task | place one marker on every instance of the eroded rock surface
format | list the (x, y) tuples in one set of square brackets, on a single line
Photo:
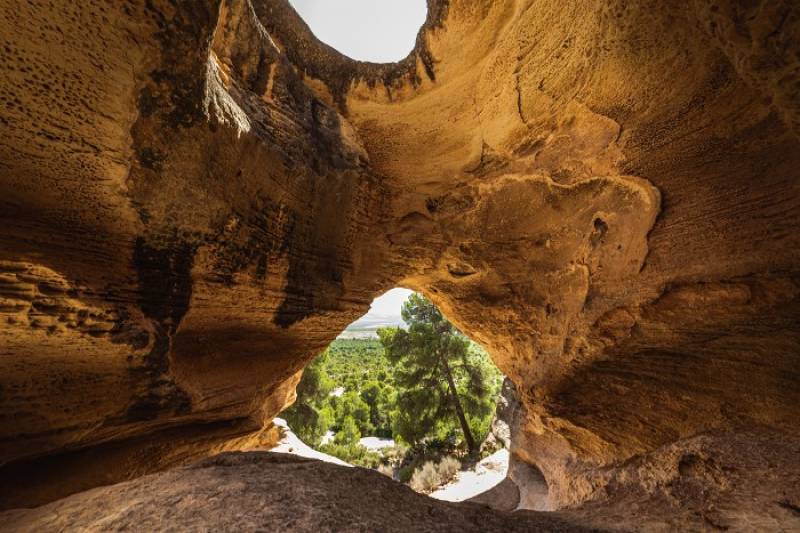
[(197, 196), (260, 491)]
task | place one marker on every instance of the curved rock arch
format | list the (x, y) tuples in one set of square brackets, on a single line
[(605, 197)]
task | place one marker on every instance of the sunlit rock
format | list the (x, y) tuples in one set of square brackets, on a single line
[(197, 196)]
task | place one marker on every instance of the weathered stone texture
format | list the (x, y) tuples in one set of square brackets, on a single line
[(197, 196), (271, 492)]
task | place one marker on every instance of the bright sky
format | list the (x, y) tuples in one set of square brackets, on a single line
[(384, 311), (380, 31), (390, 302)]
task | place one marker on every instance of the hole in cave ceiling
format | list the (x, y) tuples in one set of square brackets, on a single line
[(378, 31)]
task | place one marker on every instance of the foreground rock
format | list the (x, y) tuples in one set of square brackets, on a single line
[(260, 491), (748, 481)]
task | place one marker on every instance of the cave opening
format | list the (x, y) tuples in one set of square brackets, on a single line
[(376, 31), (404, 392)]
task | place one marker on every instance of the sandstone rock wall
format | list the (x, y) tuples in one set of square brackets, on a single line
[(199, 196), (184, 226)]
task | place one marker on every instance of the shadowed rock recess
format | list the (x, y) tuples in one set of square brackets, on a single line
[(197, 196)]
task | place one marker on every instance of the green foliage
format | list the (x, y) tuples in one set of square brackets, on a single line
[(348, 433), (355, 454), (380, 397), (395, 388), (439, 378), (353, 362), (309, 417), (351, 406), (405, 473), (316, 384)]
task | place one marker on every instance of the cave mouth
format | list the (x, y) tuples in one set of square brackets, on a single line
[(404, 392), (375, 31)]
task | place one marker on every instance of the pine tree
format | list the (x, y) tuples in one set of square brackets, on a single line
[(349, 433), (435, 375), (310, 417)]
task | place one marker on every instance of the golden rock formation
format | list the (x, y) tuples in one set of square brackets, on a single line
[(197, 196)]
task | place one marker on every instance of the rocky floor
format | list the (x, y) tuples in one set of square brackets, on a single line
[(714, 482), (261, 491)]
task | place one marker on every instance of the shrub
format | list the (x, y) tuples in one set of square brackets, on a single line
[(349, 433), (405, 473), (355, 454), (350, 405), (394, 455), (432, 475), (386, 470), (426, 479), (308, 423), (448, 468)]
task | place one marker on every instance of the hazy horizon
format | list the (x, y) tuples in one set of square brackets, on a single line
[(383, 312)]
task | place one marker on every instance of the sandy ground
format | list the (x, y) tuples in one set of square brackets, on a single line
[(373, 444), (468, 483), (486, 474), (376, 444), (291, 443)]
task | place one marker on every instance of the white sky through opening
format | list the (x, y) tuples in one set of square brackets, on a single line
[(380, 31), (384, 311)]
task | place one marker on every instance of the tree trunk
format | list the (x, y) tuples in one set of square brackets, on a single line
[(457, 405)]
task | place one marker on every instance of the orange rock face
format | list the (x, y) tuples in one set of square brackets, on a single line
[(197, 196)]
